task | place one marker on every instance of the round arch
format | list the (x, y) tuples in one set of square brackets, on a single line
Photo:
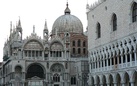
[(35, 70), (31, 40), (57, 67), (56, 41)]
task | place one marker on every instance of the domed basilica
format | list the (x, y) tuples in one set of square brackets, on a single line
[(56, 59)]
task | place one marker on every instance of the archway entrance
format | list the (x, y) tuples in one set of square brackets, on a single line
[(35, 75)]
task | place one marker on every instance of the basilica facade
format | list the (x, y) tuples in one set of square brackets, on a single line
[(56, 59), (112, 39)]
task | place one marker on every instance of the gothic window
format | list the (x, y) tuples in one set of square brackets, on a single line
[(56, 78), (134, 12), (73, 44), (74, 51), (114, 22), (73, 80), (98, 30), (79, 50), (84, 51), (84, 44), (79, 43)]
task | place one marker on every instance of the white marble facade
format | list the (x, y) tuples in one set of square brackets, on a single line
[(112, 43)]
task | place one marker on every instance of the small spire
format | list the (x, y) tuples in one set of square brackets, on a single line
[(19, 22), (67, 10), (10, 26), (33, 28), (45, 27)]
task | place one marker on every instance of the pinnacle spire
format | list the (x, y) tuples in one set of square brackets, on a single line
[(33, 28), (45, 27), (19, 22)]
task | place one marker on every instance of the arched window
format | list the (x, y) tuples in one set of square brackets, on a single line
[(84, 44), (114, 22), (73, 80), (79, 51), (74, 51), (73, 43), (56, 78), (79, 43), (98, 30), (84, 51), (134, 12)]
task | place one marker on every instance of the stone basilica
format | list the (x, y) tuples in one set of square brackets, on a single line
[(58, 59)]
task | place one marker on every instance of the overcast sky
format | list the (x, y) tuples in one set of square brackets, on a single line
[(34, 12)]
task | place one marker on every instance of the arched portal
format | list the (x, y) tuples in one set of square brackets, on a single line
[(35, 70), (35, 75), (18, 75)]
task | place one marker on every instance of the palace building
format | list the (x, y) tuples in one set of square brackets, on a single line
[(56, 59), (112, 39)]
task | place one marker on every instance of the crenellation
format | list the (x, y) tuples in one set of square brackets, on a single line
[(96, 4)]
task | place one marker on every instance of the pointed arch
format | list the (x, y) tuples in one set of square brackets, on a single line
[(114, 22), (98, 30), (117, 79), (126, 79), (134, 12), (97, 80)]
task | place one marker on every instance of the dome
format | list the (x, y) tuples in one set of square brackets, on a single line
[(67, 23)]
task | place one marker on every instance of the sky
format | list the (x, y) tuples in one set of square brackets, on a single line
[(35, 12)]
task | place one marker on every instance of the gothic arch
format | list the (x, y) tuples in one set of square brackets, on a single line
[(110, 79), (131, 10), (134, 77), (104, 80), (117, 79), (98, 30), (113, 22), (126, 78), (97, 80)]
